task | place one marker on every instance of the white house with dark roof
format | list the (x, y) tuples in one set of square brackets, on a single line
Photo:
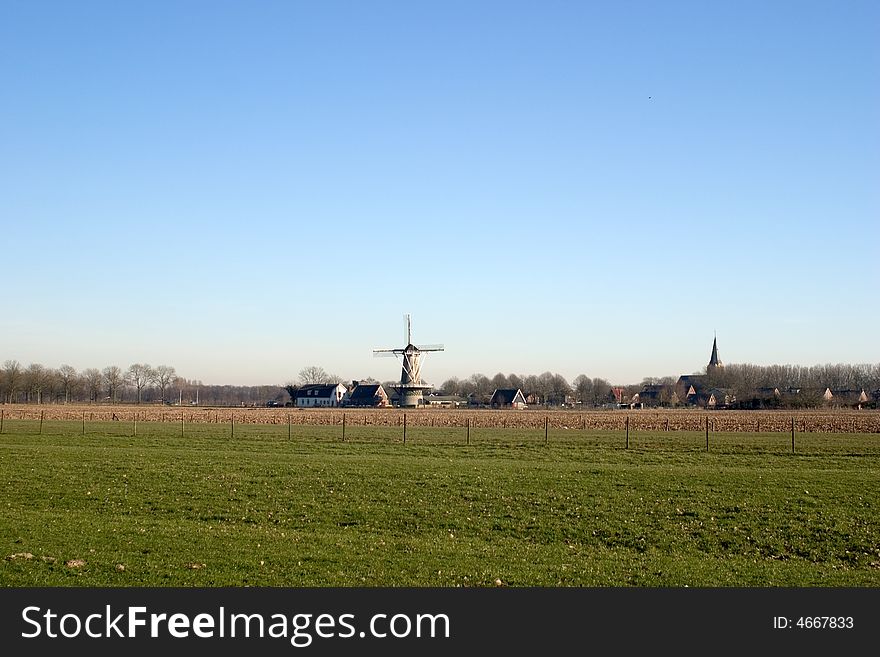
[(319, 395)]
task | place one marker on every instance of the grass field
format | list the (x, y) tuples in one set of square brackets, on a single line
[(266, 508)]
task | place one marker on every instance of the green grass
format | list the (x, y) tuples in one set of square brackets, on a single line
[(259, 509)]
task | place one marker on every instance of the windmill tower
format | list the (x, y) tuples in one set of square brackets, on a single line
[(410, 387)]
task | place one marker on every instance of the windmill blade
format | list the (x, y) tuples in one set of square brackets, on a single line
[(429, 347), (385, 353)]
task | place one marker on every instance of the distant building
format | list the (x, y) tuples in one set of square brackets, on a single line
[(691, 388), (367, 395), (507, 398), (652, 396), (715, 363), (719, 398), (445, 401), (320, 395), (848, 398), (766, 397)]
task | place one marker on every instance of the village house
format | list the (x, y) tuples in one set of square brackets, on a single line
[(320, 395), (655, 395), (507, 398), (435, 399), (367, 395), (845, 398)]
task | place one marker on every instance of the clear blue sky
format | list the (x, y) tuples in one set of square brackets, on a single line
[(241, 189)]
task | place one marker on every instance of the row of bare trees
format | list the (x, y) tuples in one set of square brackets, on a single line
[(745, 377), (139, 383), (39, 384)]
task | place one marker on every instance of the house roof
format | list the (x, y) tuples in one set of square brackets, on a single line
[(317, 390), (850, 395), (366, 391), (506, 396)]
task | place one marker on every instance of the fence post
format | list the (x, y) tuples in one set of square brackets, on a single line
[(792, 434), (627, 431), (343, 427), (2, 412), (707, 433), (545, 430), (288, 425), (232, 425), (468, 431), (41, 423), (84, 423), (404, 428), (182, 424), (135, 424)]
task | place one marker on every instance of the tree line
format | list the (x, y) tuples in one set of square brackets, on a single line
[(139, 383), (142, 383)]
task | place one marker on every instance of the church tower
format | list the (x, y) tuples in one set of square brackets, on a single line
[(714, 362)]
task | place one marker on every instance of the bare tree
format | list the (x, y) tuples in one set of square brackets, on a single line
[(559, 390), (164, 376), (500, 381), (452, 386), (481, 386), (583, 388), (93, 380), (140, 376), (312, 374), (515, 381), (11, 379), (68, 377), (112, 380), (530, 386), (601, 391), (35, 380), (545, 387)]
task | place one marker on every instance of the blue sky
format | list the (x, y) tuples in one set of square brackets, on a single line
[(241, 189)]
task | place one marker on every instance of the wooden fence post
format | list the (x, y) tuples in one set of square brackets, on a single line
[(343, 427), (707, 433), (792, 435), (545, 430), (627, 431), (404, 428), (468, 431), (41, 423)]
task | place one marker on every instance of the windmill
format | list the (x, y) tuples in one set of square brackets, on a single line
[(410, 387)]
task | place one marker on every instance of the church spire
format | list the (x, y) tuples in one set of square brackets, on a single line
[(714, 361)]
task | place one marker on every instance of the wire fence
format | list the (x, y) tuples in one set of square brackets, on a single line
[(777, 432)]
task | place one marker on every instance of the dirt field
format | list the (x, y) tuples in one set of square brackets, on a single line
[(818, 421)]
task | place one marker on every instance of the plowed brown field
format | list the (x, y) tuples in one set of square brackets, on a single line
[(818, 421)]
